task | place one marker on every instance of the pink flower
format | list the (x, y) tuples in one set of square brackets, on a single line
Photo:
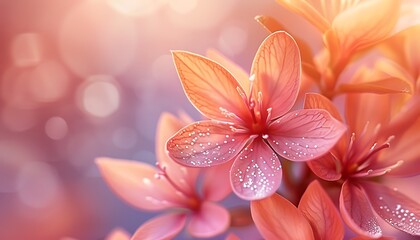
[(315, 218), (364, 163), (250, 121), (170, 187)]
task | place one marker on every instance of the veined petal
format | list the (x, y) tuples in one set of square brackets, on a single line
[(216, 182), (206, 143), (136, 183), (210, 87), (256, 172), (321, 213), (211, 220), (304, 134), (161, 228), (394, 207), (277, 218), (356, 211), (366, 23), (240, 75), (325, 167), (184, 177), (277, 70)]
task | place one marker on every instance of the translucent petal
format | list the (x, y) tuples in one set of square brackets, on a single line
[(321, 213), (277, 218), (277, 71), (304, 134), (160, 228), (256, 172), (209, 221), (206, 143), (325, 167), (394, 207)]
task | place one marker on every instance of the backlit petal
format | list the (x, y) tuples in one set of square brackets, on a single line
[(326, 167), (163, 227), (216, 182), (277, 218), (366, 23), (135, 182), (277, 73), (321, 213), (184, 177), (206, 143), (394, 207), (210, 87), (304, 134), (209, 221), (356, 211), (256, 172)]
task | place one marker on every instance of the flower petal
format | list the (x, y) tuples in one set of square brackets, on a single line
[(216, 182), (210, 87), (256, 172), (321, 213), (163, 227), (240, 75), (356, 211), (325, 167), (277, 71), (366, 23), (184, 177), (206, 143), (394, 207), (277, 218), (211, 220), (304, 134), (135, 182), (318, 101)]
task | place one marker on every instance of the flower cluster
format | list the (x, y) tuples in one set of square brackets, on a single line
[(252, 127)]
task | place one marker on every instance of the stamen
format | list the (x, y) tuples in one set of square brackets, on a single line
[(163, 174), (228, 114)]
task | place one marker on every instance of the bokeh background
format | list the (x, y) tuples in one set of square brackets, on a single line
[(80, 79)]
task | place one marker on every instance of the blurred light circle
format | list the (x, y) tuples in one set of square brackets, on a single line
[(99, 96), (37, 184), (183, 6), (232, 40), (124, 138), (204, 15), (15, 88), (26, 49), (48, 82), (136, 8), (56, 128), (94, 39), (18, 120), (163, 68)]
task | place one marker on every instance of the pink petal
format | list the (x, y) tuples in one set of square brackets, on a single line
[(206, 143), (256, 173), (277, 73), (135, 182), (277, 218), (211, 220), (394, 207), (216, 182), (232, 236), (118, 234), (304, 134), (356, 211), (325, 167), (163, 227), (321, 213), (184, 177), (210, 87)]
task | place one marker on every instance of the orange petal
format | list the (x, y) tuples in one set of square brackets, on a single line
[(277, 218), (161, 228), (135, 182), (210, 87), (321, 213), (240, 75), (318, 101), (277, 73), (326, 167), (382, 86), (184, 177), (365, 24)]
